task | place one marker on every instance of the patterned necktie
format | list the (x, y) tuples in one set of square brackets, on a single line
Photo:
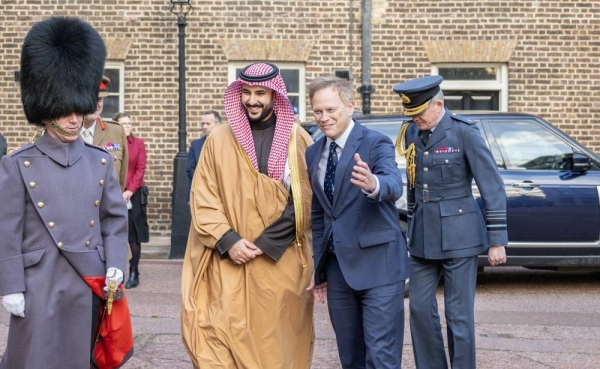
[(328, 185), (425, 136), (332, 162)]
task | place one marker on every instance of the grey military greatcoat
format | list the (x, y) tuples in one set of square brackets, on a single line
[(110, 136), (62, 217)]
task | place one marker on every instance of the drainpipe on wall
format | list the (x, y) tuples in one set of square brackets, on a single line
[(351, 36), (366, 89)]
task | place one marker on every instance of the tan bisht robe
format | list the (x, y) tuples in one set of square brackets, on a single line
[(257, 315)]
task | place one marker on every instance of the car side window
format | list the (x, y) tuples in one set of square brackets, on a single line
[(526, 145)]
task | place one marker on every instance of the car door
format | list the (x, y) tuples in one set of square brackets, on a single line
[(551, 210)]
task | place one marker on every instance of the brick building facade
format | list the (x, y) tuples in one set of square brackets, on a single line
[(545, 53)]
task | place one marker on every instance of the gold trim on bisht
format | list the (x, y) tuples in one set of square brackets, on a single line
[(408, 153), (245, 156), (297, 192)]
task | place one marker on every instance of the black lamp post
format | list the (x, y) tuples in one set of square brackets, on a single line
[(180, 216), (366, 89)]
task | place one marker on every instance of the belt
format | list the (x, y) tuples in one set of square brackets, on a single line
[(436, 196)]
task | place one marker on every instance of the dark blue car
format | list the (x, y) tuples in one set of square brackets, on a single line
[(552, 184)]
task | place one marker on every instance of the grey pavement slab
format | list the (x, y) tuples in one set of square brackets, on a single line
[(523, 320)]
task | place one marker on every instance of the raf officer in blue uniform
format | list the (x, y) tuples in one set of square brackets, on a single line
[(446, 229)]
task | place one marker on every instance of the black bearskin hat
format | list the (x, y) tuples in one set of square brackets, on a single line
[(61, 69)]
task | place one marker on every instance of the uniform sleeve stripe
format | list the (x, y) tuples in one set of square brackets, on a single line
[(496, 220)]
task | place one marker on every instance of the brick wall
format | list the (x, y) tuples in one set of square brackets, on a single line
[(553, 69)]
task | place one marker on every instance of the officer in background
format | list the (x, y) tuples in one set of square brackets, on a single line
[(446, 228), (210, 119), (107, 134), (296, 114)]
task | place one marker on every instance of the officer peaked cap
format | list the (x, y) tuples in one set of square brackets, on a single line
[(417, 93)]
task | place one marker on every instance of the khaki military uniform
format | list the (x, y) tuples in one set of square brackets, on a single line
[(111, 137)]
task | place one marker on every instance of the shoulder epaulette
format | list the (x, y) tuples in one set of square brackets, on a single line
[(108, 120), (460, 118), (25, 146)]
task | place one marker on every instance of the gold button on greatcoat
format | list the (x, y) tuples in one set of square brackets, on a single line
[(87, 244), (426, 153), (425, 169), (101, 182), (446, 161), (60, 244), (460, 210), (92, 223), (103, 161), (27, 164), (97, 202), (425, 185), (51, 224), (32, 184), (40, 204)]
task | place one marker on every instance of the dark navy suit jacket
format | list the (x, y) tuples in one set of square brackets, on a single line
[(192, 160), (369, 243)]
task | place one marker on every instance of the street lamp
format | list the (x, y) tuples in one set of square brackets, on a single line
[(180, 216)]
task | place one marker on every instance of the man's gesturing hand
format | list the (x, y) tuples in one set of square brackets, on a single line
[(362, 176)]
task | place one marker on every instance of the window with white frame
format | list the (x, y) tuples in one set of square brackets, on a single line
[(293, 75), (474, 86), (114, 102)]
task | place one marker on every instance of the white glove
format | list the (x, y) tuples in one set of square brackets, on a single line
[(15, 304), (113, 274)]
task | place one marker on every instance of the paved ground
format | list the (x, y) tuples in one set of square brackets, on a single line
[(524, 319)]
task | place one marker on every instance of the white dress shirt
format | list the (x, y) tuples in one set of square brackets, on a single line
[(340, 142)]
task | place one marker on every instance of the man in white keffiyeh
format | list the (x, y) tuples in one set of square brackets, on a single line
[(248, 261)]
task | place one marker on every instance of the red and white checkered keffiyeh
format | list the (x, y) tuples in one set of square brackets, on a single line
[(238, 120)]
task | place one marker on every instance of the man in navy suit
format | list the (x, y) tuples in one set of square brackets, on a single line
[(360, 254), (446, 229), (210, 119)]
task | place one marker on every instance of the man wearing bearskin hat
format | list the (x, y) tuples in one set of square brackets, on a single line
[(64, 222)]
